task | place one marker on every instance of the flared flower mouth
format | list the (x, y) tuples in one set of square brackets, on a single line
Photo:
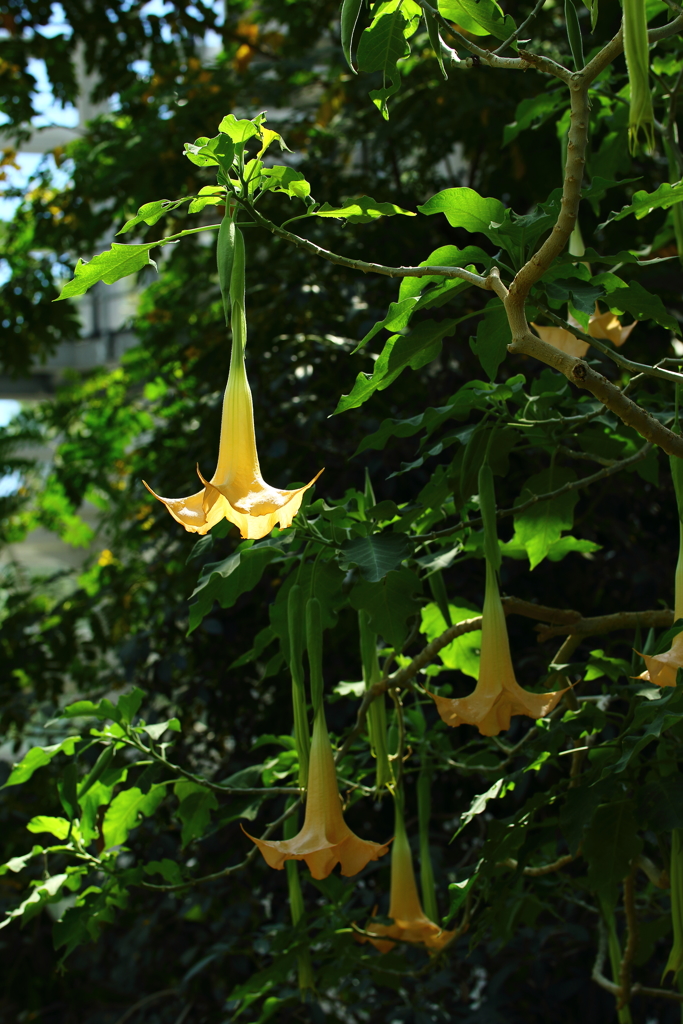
[(325, 839), (603, 326), (410, 923), (662, 669), (497, 695), (237, 491)]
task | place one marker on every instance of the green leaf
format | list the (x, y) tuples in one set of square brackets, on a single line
[(444, 256), (462, 653), (287, 180), (110, 266), (465, 208), (634, 299), (150, 213), (58, 827), (46, 891), (377, 554), (362, 210), (349, 17), (17, 864), (157, 731), (577, 810), (643, 202), (389, 603), (239, 131), (660, 802), (611, 843), (226, 581), (124, 811), (37, 757), (480, 17), (458, 892), (381, 46), (478, 805), (398, 316), (493, 337), (98, 795), (542, 524), (196, 804), (534, 111), (415, 350)]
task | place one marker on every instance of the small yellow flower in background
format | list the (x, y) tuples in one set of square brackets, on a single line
[(106, 558), (603, 326), (325, 839), (497, 695), (237, 491), (410, 921)]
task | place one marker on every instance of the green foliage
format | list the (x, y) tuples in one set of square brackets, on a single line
[(146, 730)]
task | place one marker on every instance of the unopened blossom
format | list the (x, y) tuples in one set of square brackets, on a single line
[(325, 839), (497, 695), (603, 326), (237, 491), (410, 923)]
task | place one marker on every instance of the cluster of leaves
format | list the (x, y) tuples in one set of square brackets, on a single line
[(142, 808)]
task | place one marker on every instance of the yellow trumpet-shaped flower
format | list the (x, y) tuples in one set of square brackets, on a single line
[(410, 921), (325, 839), (603, 326), (497, 695), (237, 491)]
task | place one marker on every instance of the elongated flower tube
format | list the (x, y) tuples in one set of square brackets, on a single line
[(605, 326), (411, 924), (636, 50), (325, 839), (497, 695), (237, 491), (675, 961)]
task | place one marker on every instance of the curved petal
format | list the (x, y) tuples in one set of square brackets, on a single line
[(562, 339), (662, 669), (189, 512), (264, 509)]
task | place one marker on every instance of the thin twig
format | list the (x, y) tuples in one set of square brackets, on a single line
[(626, 364), (659, 618), (542, 869), (518, 31), (573, 485), (163, 994), (631, 940), (487, 56)]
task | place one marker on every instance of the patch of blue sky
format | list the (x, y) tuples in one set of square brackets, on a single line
[(49, 111), (21, 179), (9, 408)]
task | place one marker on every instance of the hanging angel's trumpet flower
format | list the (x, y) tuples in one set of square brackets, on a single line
[(236, 491), (497, 695), (410, 921), (603, 326), (325, 839), (662, 669)]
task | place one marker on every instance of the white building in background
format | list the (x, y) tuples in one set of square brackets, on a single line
[(105, 310)]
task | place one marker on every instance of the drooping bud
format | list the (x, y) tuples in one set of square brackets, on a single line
[(636, 49)]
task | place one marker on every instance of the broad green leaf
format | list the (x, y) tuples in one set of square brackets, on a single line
[(377, 554), (634, 299), (660, 802), (444, 256), (58, 827), (227, 580), (478, 805), (643, 202), (196, 804), (480, 17), (37, 757), (465, 208), (651, 719), (239, 131), (362, 210), (463, 652), (389, 603), (542, 524), (577, 810), (611, 843), (493, 337), (381, 46), (534, 111), (45, 892), (168, 869), (559, 549), (150, 213), (349, 17), (124, 811), (109, 266), (99, 795), (17, 864), (398, 316), (286, 179), (157, 731), (415, 350)]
